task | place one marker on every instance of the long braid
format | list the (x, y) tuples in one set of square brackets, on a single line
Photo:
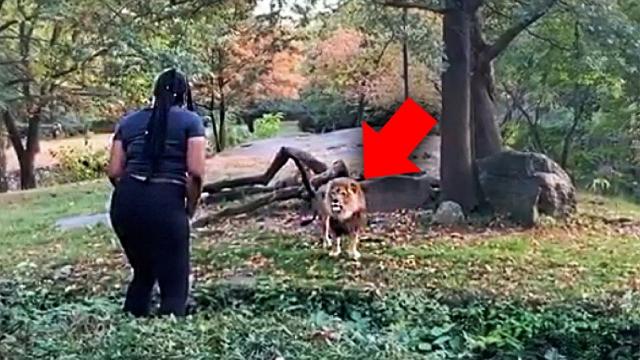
[(172, 88), (190, 105)]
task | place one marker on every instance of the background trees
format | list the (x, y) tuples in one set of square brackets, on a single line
[(565, 71), (569, 89)]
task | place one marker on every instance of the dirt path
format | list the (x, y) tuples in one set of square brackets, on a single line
[(44, 158), (254, 157)]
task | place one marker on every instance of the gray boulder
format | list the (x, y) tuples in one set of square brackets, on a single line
[(524, 184), (392, 193), (449, 213)]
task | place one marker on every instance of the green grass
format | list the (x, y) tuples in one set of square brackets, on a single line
[(571, 288), (27, 230), (608, 205)]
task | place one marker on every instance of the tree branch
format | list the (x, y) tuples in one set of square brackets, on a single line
[(14, 133), (549, 41), (517, 103), (510, 34), (18, 81), (7, 25), (429, 5), (77, 65)]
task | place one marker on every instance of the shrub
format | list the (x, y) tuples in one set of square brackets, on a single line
[(268, 125), (236, 134), (79, 164), (328, 111)]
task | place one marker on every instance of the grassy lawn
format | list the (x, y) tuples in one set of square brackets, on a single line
[(265, 290)]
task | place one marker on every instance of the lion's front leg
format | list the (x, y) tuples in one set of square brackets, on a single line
[(336, 250), (353, 247), (326, 241)]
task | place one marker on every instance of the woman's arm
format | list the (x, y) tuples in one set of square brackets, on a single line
[(196, 158), (115, 169)]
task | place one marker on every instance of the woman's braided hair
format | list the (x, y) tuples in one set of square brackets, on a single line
[(171, 88)]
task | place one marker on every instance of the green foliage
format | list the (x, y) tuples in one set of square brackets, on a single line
[(328, 111), (237, 134), (275, 319), (80, 164), (573, 86), (325, 111), (301, 305), (268, 125)]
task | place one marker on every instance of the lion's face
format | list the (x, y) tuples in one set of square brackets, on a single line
[(344, 197)]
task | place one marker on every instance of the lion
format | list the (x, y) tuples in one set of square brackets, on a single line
[(342, 208)]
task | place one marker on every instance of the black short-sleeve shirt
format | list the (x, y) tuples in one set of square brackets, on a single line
[(181, 125)]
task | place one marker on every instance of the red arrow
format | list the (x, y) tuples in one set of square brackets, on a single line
[(387, 152)]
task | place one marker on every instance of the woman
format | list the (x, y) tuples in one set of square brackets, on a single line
[(157, 162)]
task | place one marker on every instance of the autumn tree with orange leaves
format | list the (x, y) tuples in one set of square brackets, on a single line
[(241, 60)]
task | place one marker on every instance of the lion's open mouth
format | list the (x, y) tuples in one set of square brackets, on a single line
[(336, 207)]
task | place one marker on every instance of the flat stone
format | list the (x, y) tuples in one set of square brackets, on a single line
[(80, 221)]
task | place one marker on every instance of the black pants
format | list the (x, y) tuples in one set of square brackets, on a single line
[(151, 222)]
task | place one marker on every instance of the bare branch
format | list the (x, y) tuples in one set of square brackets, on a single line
[(9, 62), (517, 100), (548, 40), (7, 25), (18, 81), (77, 65), (510, 34), (412, 4)]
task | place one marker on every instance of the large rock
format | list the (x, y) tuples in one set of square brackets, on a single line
[(522, 184), (449, 213), (387, 194)]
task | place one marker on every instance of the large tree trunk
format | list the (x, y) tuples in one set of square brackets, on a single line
[(487, 140), (27, 162), (222, 111), (456, 156), (4, 181), (361, 106), (214, 126), (405, 55), (27, 171), (26, 155), (223, 127)]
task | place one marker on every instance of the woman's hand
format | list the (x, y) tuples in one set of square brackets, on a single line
[(194, 190), (115, 168), (196, 158)]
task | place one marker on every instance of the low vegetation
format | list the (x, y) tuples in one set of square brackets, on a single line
[(264, 289), (80, 163)]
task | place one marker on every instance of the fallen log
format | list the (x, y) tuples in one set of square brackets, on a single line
[(278, 195), (242, 192), (284, 154), (236, 189), (382, 194)]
